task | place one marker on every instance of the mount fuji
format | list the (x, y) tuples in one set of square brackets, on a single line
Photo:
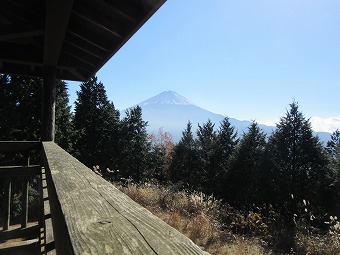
[(172, 111)]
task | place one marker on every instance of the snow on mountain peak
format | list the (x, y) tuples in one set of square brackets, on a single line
[(167, 97)]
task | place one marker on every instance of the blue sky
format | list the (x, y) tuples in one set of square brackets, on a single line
[(246, 59)]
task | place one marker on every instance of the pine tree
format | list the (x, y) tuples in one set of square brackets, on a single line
[(242, 180), (97, 125)]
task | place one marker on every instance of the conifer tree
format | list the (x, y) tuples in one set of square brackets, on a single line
[(135, 145), (97, 125), (242, 180), (186, 160), (20, 108), (64, 129), (298, 161), (226, 141), (333, 149), (206, 146)]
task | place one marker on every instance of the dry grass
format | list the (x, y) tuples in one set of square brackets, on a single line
[(218, 228)]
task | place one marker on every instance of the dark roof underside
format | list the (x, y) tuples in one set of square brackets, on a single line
[(76, 36)]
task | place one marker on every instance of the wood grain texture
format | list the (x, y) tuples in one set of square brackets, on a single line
[(100, 219)]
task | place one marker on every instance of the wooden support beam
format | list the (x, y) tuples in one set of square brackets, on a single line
[(93, 42), (79, 47), (20, 35), (105, 27), (48, 106), (57, 18)]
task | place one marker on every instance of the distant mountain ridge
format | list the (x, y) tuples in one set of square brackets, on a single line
[(172, 111)]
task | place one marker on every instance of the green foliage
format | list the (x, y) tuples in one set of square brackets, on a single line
[(186, 160), (97, 125), (333, 149), (135, 146), (206, 145), (242, 181), (64, 129), (20, 108), (299, 164)]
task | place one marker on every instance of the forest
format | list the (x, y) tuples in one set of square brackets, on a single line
[(288, 177)]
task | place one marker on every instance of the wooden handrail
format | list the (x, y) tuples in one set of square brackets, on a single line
[(19, 171), (7, 173), (91, 216), (19, 146)]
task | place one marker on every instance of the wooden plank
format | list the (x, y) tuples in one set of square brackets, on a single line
[(98, 218), (12, 171), (57, 19), (20, 35), (19, 146)]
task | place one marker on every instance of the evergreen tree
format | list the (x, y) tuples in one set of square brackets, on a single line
[(206, 145), (333, 149), (226, 141), (64, 129), (135, 145), (242, 181), (186, 160), (298, 161), (97, 125), (20, 108)]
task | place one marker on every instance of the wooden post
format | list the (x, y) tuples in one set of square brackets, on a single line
[(48, 106), (24, 201), (7, 204)]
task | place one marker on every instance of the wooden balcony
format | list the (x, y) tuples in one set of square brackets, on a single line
[(79, 212)]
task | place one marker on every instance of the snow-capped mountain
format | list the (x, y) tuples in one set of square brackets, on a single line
[(172, 111), (166, 97)]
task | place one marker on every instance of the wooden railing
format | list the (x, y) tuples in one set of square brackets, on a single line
[(20, 173), (84, 214)]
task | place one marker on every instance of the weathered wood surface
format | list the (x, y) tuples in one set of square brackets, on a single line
[(91, 216), (19, 146)]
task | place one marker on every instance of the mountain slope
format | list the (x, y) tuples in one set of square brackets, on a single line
[(172, 111)]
